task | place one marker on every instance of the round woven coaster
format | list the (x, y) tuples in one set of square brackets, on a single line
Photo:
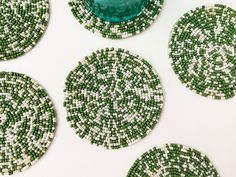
[(22, 23), (113, 98), (27, 122), (117, 30), (172, 160), (203, 51)]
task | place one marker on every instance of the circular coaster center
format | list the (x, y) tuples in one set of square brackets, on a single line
[(218, 55), (116, 10)]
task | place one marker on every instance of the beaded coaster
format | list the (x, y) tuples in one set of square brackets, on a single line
[(203, 51), (116, 30), (22, 23), (27, 122), (173, 160), (113, 98)]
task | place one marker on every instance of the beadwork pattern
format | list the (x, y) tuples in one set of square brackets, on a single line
[(116, 30), (27, 122), (113, 98), (22, 23), (173, 160), (202, 49)]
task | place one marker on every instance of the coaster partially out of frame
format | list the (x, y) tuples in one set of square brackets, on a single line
[(113, 98), (173, 160), (203, 51), (116, 30), (22, 23), (27, 122)]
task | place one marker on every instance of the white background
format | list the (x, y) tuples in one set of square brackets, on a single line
[(205, 124)]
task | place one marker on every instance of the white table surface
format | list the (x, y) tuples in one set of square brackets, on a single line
[(205, 124)]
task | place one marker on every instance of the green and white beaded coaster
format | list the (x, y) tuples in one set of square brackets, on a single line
[(113, 98), (27, 122), (22, 23), (115, 28), (173, 160), (203, 51)]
